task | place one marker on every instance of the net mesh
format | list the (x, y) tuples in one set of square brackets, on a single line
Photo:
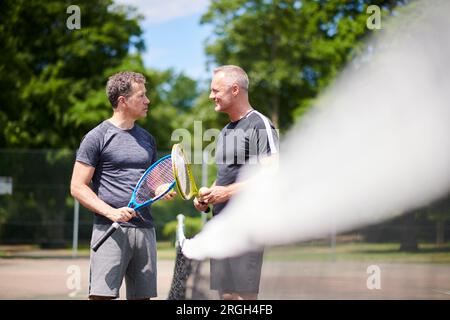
[(156, 182), (181, 273), (190, 279)]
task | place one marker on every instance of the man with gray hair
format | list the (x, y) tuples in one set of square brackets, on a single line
[(113, 156), (249, 135)]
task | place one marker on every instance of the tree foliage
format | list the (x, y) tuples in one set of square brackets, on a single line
[(291, 49), (51, 77), (52, 82)]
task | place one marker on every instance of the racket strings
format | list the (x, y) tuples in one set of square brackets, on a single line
[(184, 183), (157, 182)]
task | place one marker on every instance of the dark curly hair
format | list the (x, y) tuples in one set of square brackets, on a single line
[(120, 83)]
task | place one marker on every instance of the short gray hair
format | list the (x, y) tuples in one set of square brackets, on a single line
[(120, 83), (234, 74)]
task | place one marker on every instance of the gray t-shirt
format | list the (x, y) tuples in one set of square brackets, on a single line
[(243, 142), (120, 157)]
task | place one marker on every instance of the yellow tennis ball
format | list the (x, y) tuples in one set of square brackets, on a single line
[(202, 190)]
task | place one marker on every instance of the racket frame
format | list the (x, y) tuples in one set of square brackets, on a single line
[(194, 189), (133, 204), (136, 206), (190, 176)]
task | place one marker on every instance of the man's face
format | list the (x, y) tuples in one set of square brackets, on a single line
[(221, 93), (137, 102)]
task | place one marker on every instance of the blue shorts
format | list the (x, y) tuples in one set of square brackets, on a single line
[(130, 253)]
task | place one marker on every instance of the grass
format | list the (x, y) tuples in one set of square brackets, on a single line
[(354, 251), (350, 251), (165, 250), (359, 251)]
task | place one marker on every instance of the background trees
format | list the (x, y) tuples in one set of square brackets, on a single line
[(51, 76), (52, 79), (291, 49)]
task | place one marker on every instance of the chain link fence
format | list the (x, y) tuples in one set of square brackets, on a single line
[(40, 209)]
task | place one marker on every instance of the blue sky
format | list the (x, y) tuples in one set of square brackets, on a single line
[(173, 35), (178, 43)]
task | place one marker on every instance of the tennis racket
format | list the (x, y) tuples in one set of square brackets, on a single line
[(186, 186), (153, 185)]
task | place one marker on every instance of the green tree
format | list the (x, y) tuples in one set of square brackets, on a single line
[(439, 212), (52, 82), (291, 49), (51, 77), (172, 98)]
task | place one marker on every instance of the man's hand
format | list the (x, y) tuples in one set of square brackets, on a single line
[(200, 206), (213, 195), (162, 188), (170, 195), (121, 215)]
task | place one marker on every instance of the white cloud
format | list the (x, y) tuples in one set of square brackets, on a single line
[(157, 11)]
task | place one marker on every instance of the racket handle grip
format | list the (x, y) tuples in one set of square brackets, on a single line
[(105, 236), (207, 209)]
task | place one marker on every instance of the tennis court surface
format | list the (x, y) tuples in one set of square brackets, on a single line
[(55, 275)]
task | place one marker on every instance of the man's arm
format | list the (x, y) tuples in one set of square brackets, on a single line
[(80, 190)]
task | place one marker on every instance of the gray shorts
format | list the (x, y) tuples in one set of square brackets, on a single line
[(240, 274), (130, 253)]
